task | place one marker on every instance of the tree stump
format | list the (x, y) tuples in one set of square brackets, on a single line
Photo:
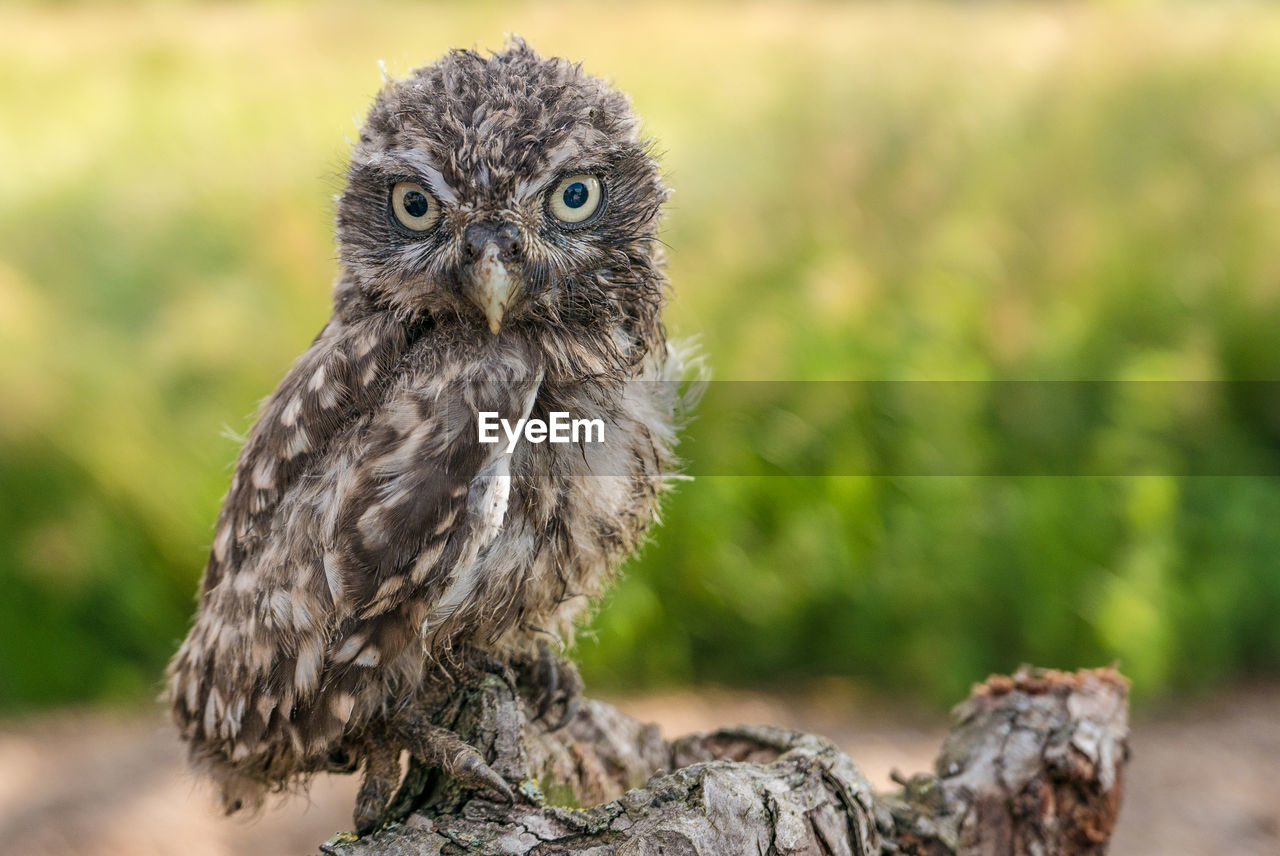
[(1032, 765)]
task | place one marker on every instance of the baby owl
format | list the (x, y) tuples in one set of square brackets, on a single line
[(498, 255)]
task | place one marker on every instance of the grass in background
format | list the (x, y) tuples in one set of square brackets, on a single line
[(905, 192)]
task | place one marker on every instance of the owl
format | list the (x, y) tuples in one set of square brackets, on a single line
[(498, 265)]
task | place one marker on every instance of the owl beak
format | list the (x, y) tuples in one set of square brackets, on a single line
[(490, 286)]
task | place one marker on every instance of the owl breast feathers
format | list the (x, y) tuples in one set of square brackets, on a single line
[(498, 254)]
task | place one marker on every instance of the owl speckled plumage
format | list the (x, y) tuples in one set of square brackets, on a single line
[(498, 252)]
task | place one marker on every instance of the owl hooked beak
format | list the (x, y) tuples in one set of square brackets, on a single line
[(490, 286), (489, 282)]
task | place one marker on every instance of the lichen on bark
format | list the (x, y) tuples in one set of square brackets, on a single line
[(1032, 765)]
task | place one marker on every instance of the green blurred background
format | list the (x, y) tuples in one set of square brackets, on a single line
[(905, 191)]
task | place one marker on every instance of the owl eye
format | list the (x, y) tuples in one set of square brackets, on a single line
[(416, 209), (575, 198)]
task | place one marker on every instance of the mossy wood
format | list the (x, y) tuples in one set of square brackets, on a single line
[(1032, 765)]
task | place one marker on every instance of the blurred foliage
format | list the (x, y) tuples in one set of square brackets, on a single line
[(902, 192)]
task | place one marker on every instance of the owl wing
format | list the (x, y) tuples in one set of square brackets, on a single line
[(342, 374), (414, 498), (253, 648)]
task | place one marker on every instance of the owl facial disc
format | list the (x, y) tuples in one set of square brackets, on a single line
[(490, 286)]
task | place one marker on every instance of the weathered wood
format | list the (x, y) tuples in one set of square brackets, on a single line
[(1032, 766)]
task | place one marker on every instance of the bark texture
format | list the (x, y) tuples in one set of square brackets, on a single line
[(1032, 765)]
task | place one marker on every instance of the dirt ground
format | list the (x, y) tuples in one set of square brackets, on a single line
[(1203, 780)]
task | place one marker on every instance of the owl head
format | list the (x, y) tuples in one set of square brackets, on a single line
[(503, 193)]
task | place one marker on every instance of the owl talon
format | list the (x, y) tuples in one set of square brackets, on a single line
[(485, 662), (381, 775), (473, 771), (440, 748), (568, 713), (368, 818), (552, 682)]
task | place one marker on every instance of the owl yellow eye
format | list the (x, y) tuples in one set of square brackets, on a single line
[(575, 198), (414, 207)]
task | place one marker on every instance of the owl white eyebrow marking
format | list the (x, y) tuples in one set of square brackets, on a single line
[(556, 158), (422, 165)]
